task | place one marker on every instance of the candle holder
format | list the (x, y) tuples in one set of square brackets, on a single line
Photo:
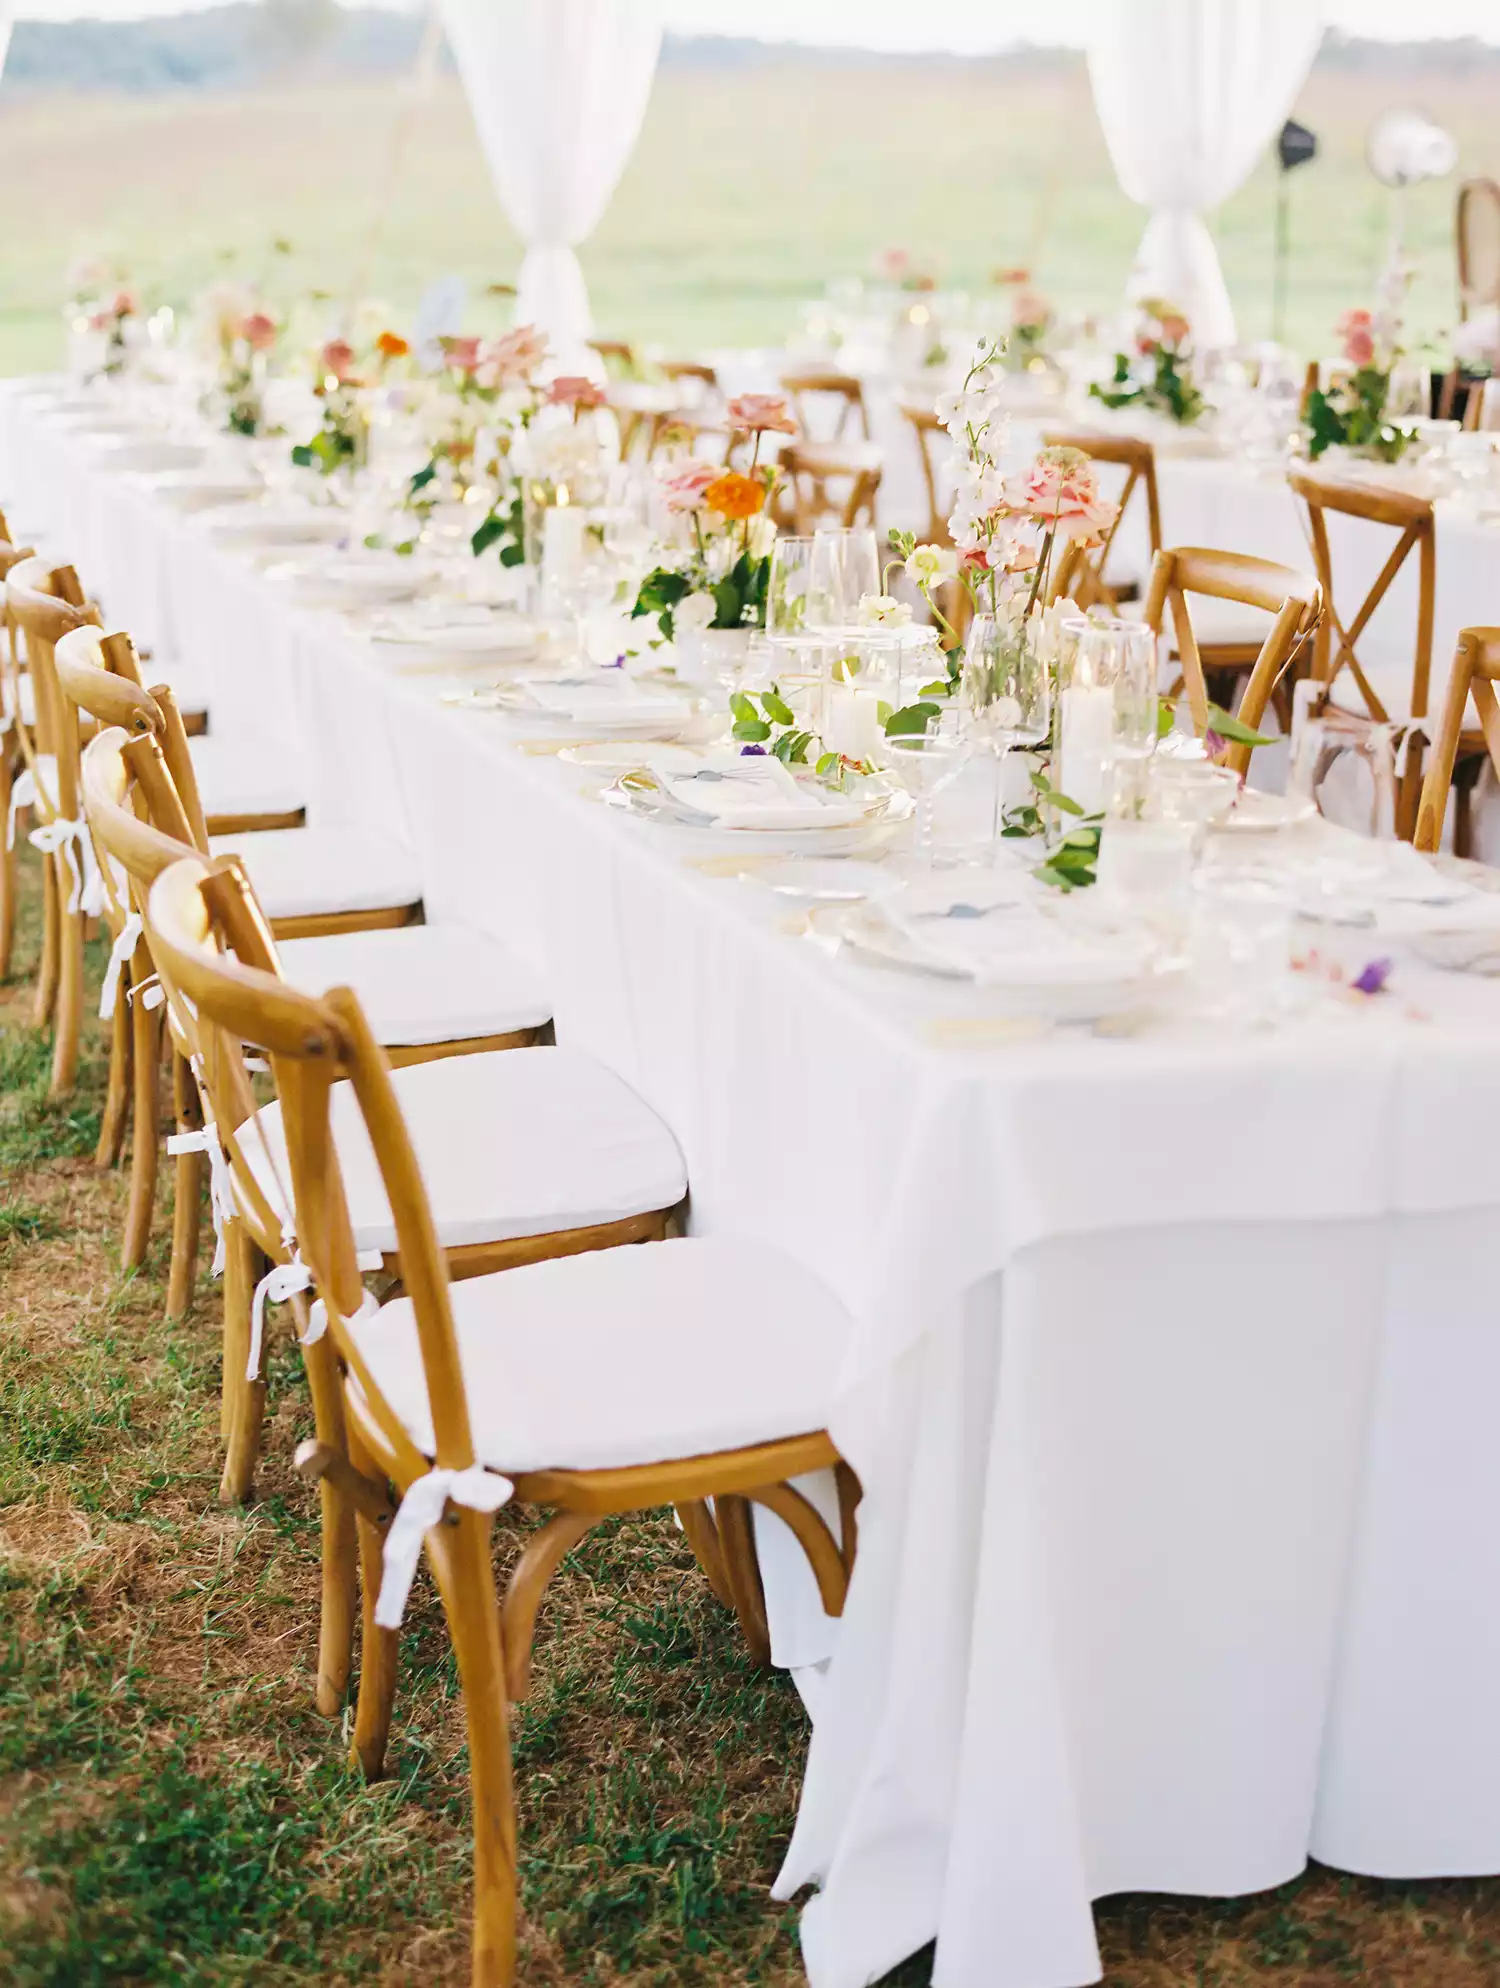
[(1106, 711)]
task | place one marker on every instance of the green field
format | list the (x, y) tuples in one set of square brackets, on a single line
[(750, 188)]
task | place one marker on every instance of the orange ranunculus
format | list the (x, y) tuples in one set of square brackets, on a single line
[(391, 345), (735, 496)]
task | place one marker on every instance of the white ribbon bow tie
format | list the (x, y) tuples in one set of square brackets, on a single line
[(284, 1280), (220, 1185), (477, 1489), (72, 838), (119, 953)]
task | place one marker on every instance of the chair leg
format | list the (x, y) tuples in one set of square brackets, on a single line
[(246, 1398), (379, 1649), (1465, 780), (46, 977), (68, 1013), (8, 867), (538, 1562), (741, 1567), (703, 1536), (145, 1109), (117, 1101), (187, 1218), (460, 1554), (339, 1539)]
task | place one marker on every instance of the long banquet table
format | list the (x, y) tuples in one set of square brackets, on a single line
[(1175, 1360)]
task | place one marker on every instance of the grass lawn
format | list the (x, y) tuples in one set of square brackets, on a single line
[(173, 1812), (748, 191)]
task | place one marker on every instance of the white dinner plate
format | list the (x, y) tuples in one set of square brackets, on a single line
[(152, 454), (1255, 813), (500, 635), (275, 525), (203, 489), (620, 756), (640, 794), (350, 579), (653, 714)]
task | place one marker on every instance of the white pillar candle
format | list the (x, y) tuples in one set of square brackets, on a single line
[(1087, 737), (563, 529), (852, 722)]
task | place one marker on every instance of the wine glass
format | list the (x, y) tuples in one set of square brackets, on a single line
[(1006, 689), (925, 763), (845, 566)]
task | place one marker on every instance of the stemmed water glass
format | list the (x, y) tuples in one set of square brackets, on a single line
[(1006, 691), (844, 568), (924, 764)]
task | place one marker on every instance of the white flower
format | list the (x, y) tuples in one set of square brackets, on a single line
[(883, 611), (932, 565), (762, 535), (963, 526), (692, 614)]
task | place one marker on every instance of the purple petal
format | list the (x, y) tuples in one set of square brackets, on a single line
[(752, 752), (617, 664), (1213, 745), (1373, 978)]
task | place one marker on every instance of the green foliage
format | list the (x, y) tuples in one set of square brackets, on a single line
[(506, 527), (660, 592), (912, 718), (1352, 414), (1169, 390), (329, 448), (756, 727)]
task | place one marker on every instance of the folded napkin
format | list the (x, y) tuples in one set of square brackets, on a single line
[(608, 695), (1006, 936), (1464, 937), (759, 792)]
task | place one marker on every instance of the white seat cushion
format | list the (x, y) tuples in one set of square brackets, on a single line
[(310, 872), (511, 1142), (1391, 679), (422, 983), (1214, 621), (234, 779), (632, 1355)]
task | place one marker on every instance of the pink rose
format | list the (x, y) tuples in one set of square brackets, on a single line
[(760, 414), (514, 357), (1008, 278), (1356, 328), (336, 360), (1030, 310), (683, 484), (462, 354), (1173, 327), (893, 264), (1059, 493), (126, 304), (573, 390), (258, 331)]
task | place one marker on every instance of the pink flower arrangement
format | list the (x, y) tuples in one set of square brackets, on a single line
[(683, 484), (336, 362), (462, 354), (573, 390), (1059, 494), (258, 331), (126, 304), (513, 358), (760, 414), (1357, 330)]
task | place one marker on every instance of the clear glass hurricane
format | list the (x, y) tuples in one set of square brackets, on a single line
[(924, 764)]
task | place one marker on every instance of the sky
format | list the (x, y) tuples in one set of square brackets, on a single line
[(972, 26)]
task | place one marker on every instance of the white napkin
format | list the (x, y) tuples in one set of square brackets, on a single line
[(760, 792), (1000, 932), (605, 694)]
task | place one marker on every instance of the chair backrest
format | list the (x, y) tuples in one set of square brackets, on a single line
[(690, 369), (203, 925), (1478, 227), (850, 415), (1337, 645), (44, 603), (1138, 460), (101, 674), (1482, 408), (831, 482), (1295, 599), (928, 429), (1476, 670), (615, 351)]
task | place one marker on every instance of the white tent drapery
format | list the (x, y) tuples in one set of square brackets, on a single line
[(558, 89), (1189, 93)]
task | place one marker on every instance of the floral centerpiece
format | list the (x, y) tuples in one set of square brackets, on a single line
[(716, 566), (104, 302), (1031, 321), (243, 337), (343, 437), (1158, 375), (1351, 411)]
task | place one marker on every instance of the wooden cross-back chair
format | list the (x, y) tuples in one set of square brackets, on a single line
[(1293, 599), (931, 439), (1482, 408), (1476, 671), (829, 483), (1477, 225), (44, 603), (530, 1383), (843, 390), (493, 1210), (17, 710), (1138, 460), (1345, 681), (690, 369)]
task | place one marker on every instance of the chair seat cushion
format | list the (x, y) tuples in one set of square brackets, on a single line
[(1214, 621), (1390, 677), (511, 1142), (422, 983), (313, 872), (237, 780), (638, 1354)]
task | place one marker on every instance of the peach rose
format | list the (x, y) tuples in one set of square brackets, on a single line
[(1007, 279), (1173, 327), (760, 414), (1059, 493), (336, 361), (462, 354), (573, 390), (514, 357), (258, 331), (1030, 310), (684, 483), (1356, 328)]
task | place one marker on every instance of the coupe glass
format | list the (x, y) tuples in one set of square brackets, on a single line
[(924, 764)]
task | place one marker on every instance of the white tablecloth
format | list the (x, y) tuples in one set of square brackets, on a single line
[(1175, 1355)]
